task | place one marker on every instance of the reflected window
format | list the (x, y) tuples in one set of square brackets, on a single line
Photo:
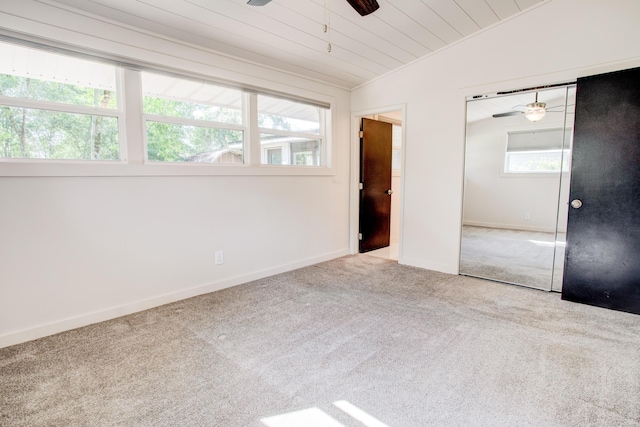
[(539, 151)]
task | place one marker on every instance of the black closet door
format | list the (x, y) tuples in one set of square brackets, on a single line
[(602, 264)]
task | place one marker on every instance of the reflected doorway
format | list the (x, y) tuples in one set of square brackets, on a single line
[(516, 186)]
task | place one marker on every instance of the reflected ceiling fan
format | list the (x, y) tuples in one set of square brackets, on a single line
[(363, 7), (533, 112)]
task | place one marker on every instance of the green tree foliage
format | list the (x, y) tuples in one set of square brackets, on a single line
[(273, 121), (167, 142), (48, 134), (179, 143), (39, 133), (538, 162)]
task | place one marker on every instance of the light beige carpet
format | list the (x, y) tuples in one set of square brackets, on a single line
[(352, 342), (513, 256)]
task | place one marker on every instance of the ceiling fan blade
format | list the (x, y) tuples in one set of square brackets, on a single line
[(364, 7), (510, 113), (559, 106), (257, 2)]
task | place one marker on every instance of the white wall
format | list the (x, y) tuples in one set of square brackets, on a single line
[(396, 197), (76, 250), (573, 38)]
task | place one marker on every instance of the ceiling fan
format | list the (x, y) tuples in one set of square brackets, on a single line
[(534, 111), (363, 7)]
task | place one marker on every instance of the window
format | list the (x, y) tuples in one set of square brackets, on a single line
[(540, 151), (191, 121), (61, 105), (274, 156), (57, 107), (292, 129)]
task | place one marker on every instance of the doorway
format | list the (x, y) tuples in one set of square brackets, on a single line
[(361, 222)]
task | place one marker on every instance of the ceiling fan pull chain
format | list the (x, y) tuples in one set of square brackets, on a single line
[(327, 23)]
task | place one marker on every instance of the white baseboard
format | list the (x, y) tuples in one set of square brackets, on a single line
[(428, 265), (134, 307), (509, 226)]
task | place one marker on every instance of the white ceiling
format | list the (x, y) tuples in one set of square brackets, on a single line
[(288, 34)]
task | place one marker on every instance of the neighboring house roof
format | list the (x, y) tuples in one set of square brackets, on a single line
[(214, 156)]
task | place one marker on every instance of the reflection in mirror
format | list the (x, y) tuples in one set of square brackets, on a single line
[(516, 187), (563, 199)]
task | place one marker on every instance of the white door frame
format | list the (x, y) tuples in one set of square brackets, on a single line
[(354, 193)]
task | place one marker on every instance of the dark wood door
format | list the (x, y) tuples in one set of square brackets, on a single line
[(602, 264), (375, 180)]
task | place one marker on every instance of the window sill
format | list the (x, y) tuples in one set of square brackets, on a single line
[(553, 175), (104, 169)]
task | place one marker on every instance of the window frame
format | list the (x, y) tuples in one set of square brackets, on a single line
[(132, 132), (60, 107), (564, 153), (565, 156), (324, 161), (183, 121)]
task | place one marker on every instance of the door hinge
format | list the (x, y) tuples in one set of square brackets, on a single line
[(361, 134), (361, 186), (359, 236)]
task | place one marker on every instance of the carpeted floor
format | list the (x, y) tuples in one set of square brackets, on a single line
[(354, 341), (513, 256)]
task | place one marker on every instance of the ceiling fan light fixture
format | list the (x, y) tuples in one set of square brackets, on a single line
[(535, 111)]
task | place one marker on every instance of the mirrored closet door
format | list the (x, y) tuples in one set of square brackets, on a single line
[(516, 186)]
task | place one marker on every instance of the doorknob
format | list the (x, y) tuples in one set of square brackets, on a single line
[(389, 192), (576, 203)]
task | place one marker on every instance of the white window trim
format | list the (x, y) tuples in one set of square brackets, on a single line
[(132, 134), (528, 174), (59, 107), (533, 174), (325, 153)]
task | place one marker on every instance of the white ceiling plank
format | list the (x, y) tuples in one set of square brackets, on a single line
[(454, 15), (423, 15), (282, 14), (248, 36), (504, 8), (412, 29), (169, 19), (373, 30), (479, 11), (526, 4), (287, 34), (343, 28), (171, 24), (393, 57)]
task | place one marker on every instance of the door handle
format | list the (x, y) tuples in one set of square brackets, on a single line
[(389, 192), (576, 203)]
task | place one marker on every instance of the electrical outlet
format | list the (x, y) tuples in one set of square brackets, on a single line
[(219, 257), (527, 216)]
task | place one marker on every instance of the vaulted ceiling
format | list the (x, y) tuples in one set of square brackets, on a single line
[(289, 34)]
